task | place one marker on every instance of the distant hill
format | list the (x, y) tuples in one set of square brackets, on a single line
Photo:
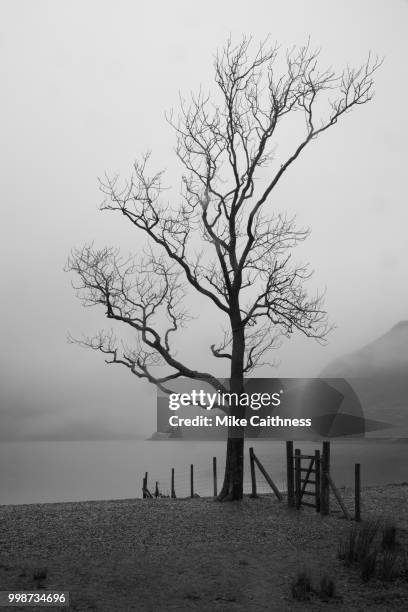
[(378, 373)]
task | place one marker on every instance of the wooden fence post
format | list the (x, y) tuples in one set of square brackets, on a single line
[(357, 492), (325, 485), (173, 491), (253, 475), (298, 476), (317, 480), (215, 475), (289, 474), (146, 492), (145, 486), (191, 480)]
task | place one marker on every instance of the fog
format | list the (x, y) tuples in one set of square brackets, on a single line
[(85, 86)]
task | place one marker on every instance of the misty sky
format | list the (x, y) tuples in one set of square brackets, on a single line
[(84, 88)]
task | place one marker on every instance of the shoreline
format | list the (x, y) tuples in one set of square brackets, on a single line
[(127, 500)]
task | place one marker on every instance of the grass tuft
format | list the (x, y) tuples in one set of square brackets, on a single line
[(327, 588), (368, 566), (358, 543), (302, 586), (389, 536), (390, 565), (39, 576)]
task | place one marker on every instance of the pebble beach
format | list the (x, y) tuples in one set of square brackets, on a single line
[(192, 554)]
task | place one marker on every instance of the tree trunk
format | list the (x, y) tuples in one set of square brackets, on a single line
[(233, 485), (232, 488)]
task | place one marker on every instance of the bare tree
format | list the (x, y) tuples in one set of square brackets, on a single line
[(244, 267)]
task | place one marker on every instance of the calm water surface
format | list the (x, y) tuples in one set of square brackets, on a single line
[(32, 472)]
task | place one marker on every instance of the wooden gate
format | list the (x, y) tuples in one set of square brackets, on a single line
[(307, 480), (309, 477), (307, 484)]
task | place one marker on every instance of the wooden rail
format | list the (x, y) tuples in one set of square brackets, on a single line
[(254, 460), (338, 497)]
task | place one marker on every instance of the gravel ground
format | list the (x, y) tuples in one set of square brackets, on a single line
[(193, 554)]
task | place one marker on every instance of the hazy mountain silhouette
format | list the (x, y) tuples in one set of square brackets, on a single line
[(378, 373)]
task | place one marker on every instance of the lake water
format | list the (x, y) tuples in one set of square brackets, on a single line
[(32, 472)]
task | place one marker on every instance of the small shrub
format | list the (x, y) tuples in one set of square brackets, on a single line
[(39, 576), (389, 536), (368, 566), (327, 588), (302, 586)]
